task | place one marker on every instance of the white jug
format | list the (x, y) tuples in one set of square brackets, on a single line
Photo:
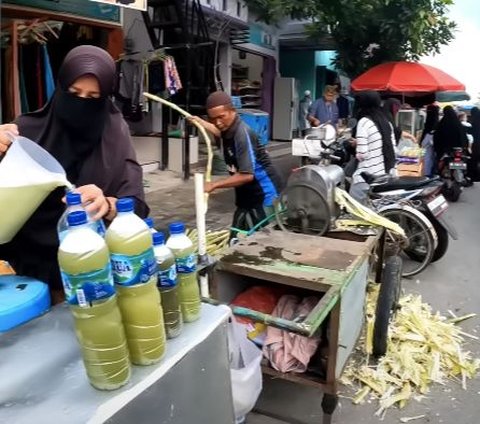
[(28, 174)]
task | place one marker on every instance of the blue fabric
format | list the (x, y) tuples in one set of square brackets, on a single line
[(49, 81), (324, 112), (261, 175)]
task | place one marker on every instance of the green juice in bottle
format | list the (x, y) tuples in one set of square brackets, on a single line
[(135, 274), (186, 262), (87, 278), (167, 284)]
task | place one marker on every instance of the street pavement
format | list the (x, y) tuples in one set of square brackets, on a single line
[(450, 284)]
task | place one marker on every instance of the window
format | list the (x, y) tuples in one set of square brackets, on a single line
[(224, 5), (239, 9)]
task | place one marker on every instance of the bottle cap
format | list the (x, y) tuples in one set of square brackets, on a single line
[(158, 239), (177, 228), (73, 199), (149, 222), (77, 218), (125, 205)]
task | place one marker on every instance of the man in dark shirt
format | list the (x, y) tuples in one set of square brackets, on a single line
[(252, 174)]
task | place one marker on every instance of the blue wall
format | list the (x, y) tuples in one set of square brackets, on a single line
[(299, 65)]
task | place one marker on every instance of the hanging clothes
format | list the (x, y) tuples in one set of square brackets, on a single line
[(172, 79), (156, 78), (48, 74), (130, 89)]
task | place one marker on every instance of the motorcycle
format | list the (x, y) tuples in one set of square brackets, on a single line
[(425, 195), (453, 171)]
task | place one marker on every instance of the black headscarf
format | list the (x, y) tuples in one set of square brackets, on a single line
[(475, 121), (368, 104), (450, 133), (91, 140), (431, 122)]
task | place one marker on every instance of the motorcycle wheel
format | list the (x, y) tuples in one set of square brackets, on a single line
[(452, 192), (442, 246), (387, 302)]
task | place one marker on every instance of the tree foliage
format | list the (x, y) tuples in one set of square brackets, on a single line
[(369, 32)]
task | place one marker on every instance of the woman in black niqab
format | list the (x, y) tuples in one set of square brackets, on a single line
[(85, 132), (449, 133)]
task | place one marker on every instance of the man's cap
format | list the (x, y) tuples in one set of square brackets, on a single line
[(218, 98)]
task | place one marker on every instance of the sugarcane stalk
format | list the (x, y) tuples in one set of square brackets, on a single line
[(208, 141)]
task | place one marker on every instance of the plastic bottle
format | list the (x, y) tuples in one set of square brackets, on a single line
[(167, 284), (150, 224), (135, 275), (74, 203), (89, 290), (186, 262)]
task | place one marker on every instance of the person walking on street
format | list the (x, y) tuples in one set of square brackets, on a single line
[(256, 182), (324, 110), (375, 143), (431, 122), (303, 108)]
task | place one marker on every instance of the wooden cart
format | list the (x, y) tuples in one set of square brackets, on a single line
[(334, 269)]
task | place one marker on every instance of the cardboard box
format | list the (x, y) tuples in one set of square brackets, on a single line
[(411, 169)]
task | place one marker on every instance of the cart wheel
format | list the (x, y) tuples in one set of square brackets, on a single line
[(329, 404), (387, 301)]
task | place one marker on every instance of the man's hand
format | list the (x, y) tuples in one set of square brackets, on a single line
[(94, 201), (315, 122), (209, 187), (6, 133)]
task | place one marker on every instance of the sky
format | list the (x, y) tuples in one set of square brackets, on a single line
[(461, 57)]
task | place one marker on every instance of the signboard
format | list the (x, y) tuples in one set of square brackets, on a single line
[(132, 4), (82, 8)]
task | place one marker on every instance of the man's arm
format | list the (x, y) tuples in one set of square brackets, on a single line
[(312, 110), (207, 125), (236, 180)]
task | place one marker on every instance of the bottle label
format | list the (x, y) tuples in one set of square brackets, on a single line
[(133, 270), (88, 288), (187, 264), (167, 277)]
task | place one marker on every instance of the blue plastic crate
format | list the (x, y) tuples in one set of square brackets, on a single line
[(259, 122), (237, 102)]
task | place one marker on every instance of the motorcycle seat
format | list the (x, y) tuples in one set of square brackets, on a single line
[(386, 183)]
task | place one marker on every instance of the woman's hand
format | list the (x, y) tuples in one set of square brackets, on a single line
[(6, 133), (94, 201)]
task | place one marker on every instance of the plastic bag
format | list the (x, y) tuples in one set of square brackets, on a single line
[(245, 370)]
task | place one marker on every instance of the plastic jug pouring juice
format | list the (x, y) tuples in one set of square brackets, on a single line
[(186, 262), (28, 174), (135, 274), (88, 282)]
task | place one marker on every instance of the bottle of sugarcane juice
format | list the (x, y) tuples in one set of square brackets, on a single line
[(167, 284), (186, 263), (89, 290), (135, 274)]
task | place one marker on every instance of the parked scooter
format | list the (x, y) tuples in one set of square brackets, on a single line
[(425, 194), (453, 171)]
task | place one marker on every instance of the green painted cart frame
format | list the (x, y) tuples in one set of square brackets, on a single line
[(335, 267)]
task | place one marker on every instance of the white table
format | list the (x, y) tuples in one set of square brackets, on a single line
[(42, 379)]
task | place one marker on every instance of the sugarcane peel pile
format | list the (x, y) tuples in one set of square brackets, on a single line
[(217, 241), (423, 348)]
